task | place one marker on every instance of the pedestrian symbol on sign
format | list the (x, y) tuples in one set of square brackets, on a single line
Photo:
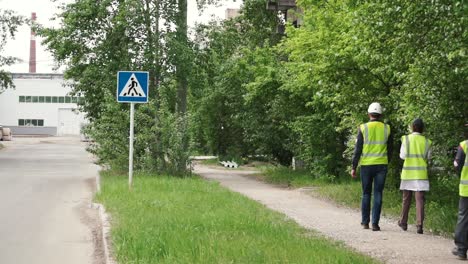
[(132, 88)]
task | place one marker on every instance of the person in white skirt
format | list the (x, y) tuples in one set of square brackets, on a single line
[(416, 151)]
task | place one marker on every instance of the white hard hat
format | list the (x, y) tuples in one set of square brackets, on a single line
[(375, 108)]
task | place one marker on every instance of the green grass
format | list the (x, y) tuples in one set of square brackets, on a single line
[(210, 162), (189, 220), (441, 201)]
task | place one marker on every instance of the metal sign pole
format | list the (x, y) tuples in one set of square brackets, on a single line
[(132, 87), (130, 154)]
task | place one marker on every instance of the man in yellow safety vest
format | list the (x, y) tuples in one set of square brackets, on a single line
[(415, 150), (373, 150), (461, 230)]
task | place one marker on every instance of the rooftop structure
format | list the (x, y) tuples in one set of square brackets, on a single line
[(281, 5), (232, 13)]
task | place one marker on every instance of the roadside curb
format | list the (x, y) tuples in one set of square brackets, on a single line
[(105, 223), (106, 228)]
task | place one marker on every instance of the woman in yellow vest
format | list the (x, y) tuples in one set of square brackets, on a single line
[(415, 150), (461, 231)]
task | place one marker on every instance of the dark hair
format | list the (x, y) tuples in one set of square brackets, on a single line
[(375, 115), (418, 125)]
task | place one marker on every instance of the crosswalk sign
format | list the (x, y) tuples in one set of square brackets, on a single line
[(132, 87)]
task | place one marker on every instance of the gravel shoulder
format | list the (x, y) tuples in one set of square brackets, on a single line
[(391, 245)]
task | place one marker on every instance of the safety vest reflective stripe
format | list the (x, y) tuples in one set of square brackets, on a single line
[(464, 173), (465, 149), (417, 150), (414, 168), (422, 156), (375, 142), (466, 154), (374, 155), (375, 137), (426, 152), (407, 145)]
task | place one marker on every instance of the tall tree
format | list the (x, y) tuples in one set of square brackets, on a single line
[(99, 38), (9, 23), (182, 60)]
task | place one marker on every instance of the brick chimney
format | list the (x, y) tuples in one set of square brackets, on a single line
[(32, 46)]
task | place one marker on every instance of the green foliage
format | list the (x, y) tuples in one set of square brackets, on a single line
[(170, 220), (235, 110), (237, 88), (99, 38), (9, 23), (306, 95)]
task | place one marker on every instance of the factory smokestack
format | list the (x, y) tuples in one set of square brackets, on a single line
[(32, 46)]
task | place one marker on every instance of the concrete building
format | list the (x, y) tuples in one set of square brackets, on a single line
[(40, 105)]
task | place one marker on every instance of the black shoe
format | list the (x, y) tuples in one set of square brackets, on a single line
[(419, 229), (403, 227), (365, 226), (375, 227), (461, 254)]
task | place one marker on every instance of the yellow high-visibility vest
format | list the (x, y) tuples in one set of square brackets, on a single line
[(464, 173), (415, 165), (374, 150)]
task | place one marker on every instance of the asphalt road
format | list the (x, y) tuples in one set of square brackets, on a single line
[(46, 187)]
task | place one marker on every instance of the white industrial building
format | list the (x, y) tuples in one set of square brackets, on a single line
[(40, 105)]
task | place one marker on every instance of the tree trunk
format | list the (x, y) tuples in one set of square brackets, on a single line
[(182, 65)]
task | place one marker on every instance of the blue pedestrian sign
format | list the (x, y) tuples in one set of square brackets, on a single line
[(132, 87)]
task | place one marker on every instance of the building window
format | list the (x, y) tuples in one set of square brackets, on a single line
[(30, 122), (50, 99)]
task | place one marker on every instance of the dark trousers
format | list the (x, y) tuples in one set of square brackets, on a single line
[(461, 231), (377, 175), (407, 196)]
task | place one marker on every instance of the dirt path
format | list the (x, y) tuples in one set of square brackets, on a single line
[(391, 245)]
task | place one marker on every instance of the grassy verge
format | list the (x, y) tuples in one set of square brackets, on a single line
[(209, 162), (174, 220), (441, 201)]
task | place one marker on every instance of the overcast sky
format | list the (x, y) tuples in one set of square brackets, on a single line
[(45, 9)]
